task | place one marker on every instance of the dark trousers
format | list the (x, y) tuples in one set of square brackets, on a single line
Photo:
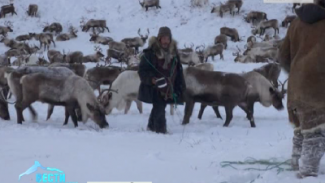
[(157, 119)]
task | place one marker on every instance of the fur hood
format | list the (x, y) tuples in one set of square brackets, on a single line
[(155, 46), (311, 13)]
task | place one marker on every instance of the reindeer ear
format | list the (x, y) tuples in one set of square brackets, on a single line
[(90, 107)]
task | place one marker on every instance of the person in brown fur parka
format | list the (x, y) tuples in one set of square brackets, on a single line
[(302, 55)]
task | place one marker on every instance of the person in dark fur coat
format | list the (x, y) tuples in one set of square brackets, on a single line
[(302, 55), (162, 80)]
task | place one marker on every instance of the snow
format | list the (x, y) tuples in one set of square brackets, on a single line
[(126, 151)]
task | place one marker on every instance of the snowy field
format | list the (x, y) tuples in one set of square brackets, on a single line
[(126, 151)]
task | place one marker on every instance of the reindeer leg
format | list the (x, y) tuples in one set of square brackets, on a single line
[(33, 112), (189, 105), (203, 106), (139, 105), (229, 110), (70, 109), (67, 116), (49, 111), (146, 8), (216, 111), (221, 56), (128, 106)]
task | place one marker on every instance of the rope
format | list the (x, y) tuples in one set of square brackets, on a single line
[(270, 164)]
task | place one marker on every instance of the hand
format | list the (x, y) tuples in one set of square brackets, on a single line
[(153, 81)]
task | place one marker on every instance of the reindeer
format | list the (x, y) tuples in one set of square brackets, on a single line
[(92, 23), (231, 32), (212, 51), (251, 40), (255, 17), (188, 55), (42, 86), (213, 88), (32, 10), (119, 51), (260, 90), (221, 39), (150, 3), (255, 55), (6, 10), (55, 56), (64, 37), (294, 5), (94, 57), (74, 57), (260, 29), (271, 72), (54, 27), (228, 7), (5, 29), (100, 39), (237, 3), (288, 20), (24, 37), (9, 42), (99, 75), (136, 42), (45, 39)]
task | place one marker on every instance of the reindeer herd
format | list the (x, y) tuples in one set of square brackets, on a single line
[(63, 80)]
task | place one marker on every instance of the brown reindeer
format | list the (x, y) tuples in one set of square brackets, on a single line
[(136, 42), (101, 76), (64, 37), (221, 39), (54, 27), (231, 32), (238, 4), (6, 9), (45, 39), (260, 29), (228, 7), (95, 37), (94, 57), (92, 23), (255, 17), (32, 10), (24, 37), (150, 3), (5, 29), (288, 20), (74, 57)]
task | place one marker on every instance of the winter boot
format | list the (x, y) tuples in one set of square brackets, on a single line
[(296, 149), (313, 148)]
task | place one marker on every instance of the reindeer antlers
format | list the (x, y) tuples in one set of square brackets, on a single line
[(8, 23), (139, 30), (98, 48), (191, 46), (283, 91)]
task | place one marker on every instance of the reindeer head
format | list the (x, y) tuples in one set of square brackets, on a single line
[(46, 26), (200, 52), (188, 49), (104, 98), (98, 51), (82, 23), (9, 26), (73, 31), (93, 36), (144, 38)]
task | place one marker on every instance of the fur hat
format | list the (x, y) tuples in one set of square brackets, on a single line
[(164, 31)]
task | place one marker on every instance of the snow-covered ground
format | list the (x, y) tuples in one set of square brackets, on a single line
[(126, 151)]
